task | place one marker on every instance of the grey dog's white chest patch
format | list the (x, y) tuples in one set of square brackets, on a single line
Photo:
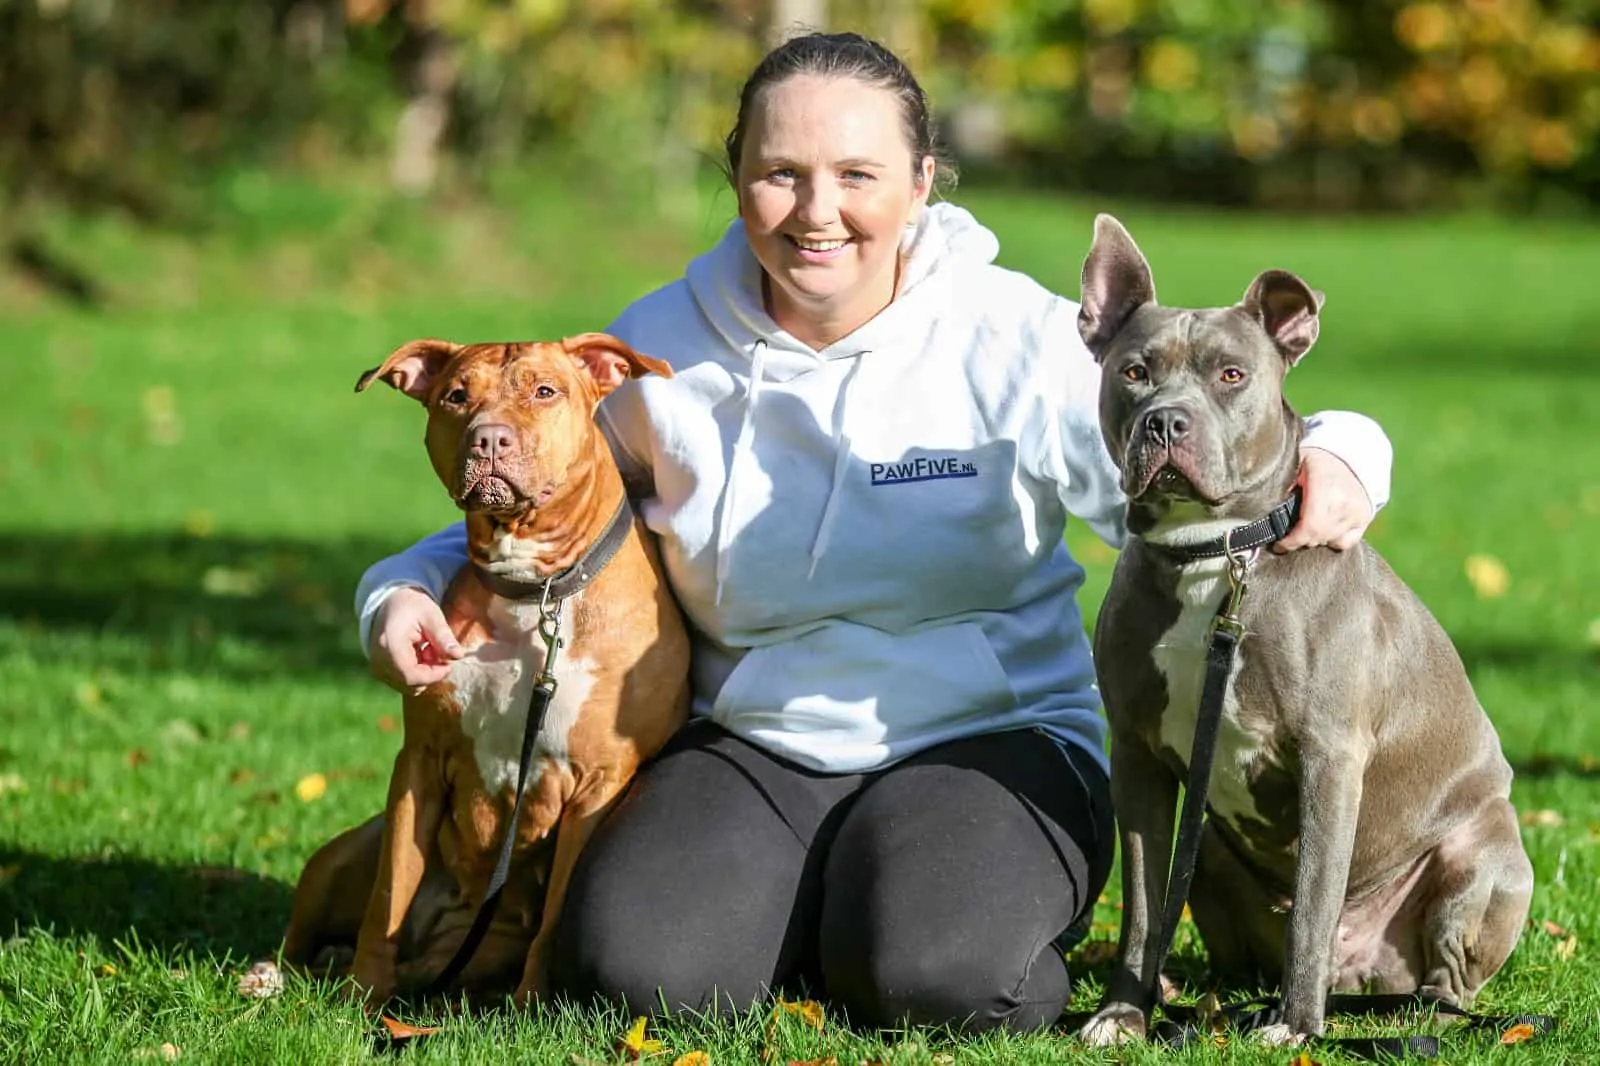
[(1180, 656)]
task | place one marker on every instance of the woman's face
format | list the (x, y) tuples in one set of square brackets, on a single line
[(826, 188)]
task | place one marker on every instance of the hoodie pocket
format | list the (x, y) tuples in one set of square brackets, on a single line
[(858, 687)]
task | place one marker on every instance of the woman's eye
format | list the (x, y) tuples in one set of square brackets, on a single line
[(1232, 375), (456, 396), (856, 176), (1135, 372), (781, 174), (544, 392)]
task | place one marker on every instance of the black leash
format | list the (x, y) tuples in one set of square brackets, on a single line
[(552, 592), (1184, 1024)]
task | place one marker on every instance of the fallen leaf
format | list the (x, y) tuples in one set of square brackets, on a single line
[(633, 1042), (242, 776), (1303, 1059), (692, 1058), (387, 723), (87, 694), (11, 781), (179, 731), (311, 788), (401, 1031), (1553, 929), (261, 981), (136, 758), (944, 1058), (1489, 577), (829, 1061), (105, 969), (166, 1053), (1545, 819), (1518, 1033), (807, 1010), (1567, 948)]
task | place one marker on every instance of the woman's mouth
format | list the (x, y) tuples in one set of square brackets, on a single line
[(812, 251)]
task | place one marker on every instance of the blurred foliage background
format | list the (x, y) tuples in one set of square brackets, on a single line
[(1317, 104)]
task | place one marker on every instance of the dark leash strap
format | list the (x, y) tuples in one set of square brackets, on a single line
[(551, 593), (544, 688), (1183, 1024)]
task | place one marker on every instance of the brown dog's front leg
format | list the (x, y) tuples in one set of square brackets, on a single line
[(577, 825), (411, 823), (1144, 794), (1330, 805)]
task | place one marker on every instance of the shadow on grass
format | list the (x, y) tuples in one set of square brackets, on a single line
[(239, 607), (211, 910)]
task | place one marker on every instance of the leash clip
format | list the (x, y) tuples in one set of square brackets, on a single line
[(550, 631), (1239, 564)]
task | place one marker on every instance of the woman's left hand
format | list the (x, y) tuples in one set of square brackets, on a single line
[(1334, 507)]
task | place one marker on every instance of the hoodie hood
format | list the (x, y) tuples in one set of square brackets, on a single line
[(726, 285)]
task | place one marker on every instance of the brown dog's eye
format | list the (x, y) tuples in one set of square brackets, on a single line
[(1135, 372), (456, 397), (1232, 375), (544, 392)]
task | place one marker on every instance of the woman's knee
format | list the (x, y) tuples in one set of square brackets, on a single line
[(924, 982)]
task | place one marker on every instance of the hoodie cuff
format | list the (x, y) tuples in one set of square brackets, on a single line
[(1360, 444)]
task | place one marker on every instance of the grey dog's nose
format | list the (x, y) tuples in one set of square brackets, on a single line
[(1166, 425), (492, 440)]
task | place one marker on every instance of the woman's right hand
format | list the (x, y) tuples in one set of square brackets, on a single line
[(412, 645)]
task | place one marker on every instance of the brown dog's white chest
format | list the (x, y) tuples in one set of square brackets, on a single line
[(493, 686)]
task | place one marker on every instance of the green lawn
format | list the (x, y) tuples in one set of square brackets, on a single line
[(189, 490)]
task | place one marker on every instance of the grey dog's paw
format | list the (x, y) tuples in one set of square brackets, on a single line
[(1278, 1035), (1115, 1023)]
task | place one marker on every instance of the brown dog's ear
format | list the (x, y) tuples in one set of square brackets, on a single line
[(1116, 283), (1287, 309), (610, 361), (412, 367)]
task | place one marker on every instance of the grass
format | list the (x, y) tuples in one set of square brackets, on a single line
[(191, 490)]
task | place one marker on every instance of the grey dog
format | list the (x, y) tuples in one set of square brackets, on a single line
[(1360, 833)]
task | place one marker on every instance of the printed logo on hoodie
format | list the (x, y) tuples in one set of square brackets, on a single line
[(921, 469)]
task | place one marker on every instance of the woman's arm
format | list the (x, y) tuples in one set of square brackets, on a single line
[(403, 630)]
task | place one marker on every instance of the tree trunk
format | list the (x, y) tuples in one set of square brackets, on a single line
[(793, 17)]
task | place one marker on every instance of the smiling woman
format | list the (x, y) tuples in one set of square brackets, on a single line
[(893, 788)]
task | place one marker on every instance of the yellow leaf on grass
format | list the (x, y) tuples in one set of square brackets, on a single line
[(1518, 1033), (1567, 948), (1553, 929), (311, 787), (399, 1030), (1303, 1059), (1545, 819), (634, 1042), (1488, 575), (692, 1058), (808, 1011)]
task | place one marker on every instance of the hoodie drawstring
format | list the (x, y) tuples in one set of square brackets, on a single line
[(840, 462), (742, 446)]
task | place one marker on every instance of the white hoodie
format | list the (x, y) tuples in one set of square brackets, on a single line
[(868, 539)]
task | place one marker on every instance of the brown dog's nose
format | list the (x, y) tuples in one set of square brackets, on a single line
[(492, 440), (1166, 425)]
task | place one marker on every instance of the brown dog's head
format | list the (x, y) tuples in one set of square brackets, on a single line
[(510, 424), (1191, 401)]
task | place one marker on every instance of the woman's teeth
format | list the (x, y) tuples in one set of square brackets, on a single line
[(818, 246)]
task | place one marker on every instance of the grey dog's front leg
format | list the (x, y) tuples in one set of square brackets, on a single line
[(1330, 805), (1143, 794)]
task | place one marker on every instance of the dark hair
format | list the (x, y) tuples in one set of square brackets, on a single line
[(844, 55)]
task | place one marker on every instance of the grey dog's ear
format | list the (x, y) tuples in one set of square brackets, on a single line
[(1116, 283), (1287, 309)]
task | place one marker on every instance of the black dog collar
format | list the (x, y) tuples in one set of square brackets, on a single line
[(1268, 529)]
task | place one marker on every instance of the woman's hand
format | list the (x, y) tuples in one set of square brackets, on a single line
[(1334, 507), (412, 646)]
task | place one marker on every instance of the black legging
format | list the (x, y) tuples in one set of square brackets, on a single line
[(931, 892)]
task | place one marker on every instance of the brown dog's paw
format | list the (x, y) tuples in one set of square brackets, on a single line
[(1115, 1023)]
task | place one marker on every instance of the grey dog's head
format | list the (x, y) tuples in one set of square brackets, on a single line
[(1191, 401)]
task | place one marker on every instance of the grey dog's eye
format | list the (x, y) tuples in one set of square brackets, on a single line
[(1135, 372), (1232, 375)]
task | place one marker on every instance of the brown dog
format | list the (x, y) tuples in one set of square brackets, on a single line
[(511, 434)]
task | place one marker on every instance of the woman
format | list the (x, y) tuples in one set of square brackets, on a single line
[(894, 786)]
